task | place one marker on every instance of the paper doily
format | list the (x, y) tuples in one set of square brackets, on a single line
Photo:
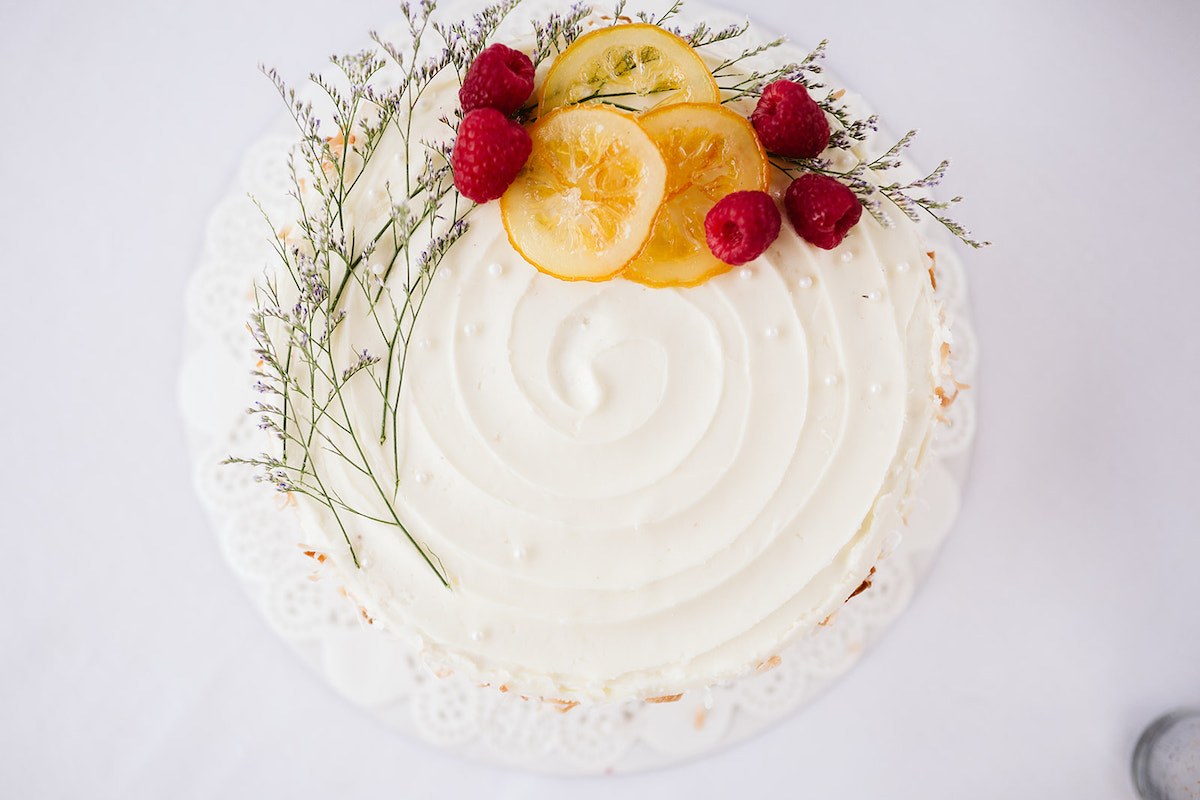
[(259, 539)]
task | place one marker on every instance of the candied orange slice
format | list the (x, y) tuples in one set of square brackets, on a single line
[(710, 152), (635, 67), (584, 203)]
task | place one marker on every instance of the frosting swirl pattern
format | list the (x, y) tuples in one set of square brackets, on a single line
[(636, 490)]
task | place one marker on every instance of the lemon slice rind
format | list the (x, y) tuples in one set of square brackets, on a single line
[(710, 152), (584, 204), (636, 67)]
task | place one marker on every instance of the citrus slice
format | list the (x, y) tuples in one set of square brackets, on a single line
[(635, 67), (710, 152), (584, 203)]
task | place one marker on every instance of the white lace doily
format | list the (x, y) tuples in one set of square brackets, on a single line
[(260, 540)]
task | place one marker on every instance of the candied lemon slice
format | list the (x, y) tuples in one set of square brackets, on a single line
[(584, 203), (710, 152), (635, 67)]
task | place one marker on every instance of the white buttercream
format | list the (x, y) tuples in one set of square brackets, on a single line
[(637, 491)]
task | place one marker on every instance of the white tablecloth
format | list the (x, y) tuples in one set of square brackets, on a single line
[(1061, 617)]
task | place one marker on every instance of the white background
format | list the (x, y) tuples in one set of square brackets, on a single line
[(1062, 616)]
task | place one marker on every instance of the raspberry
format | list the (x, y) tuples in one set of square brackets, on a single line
[(821, 209), (741, 226), (789, 122), (488, 153), (499, 78)]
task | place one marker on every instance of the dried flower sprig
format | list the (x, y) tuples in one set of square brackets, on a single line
[(864, 178), (557, 32), (305, 366)]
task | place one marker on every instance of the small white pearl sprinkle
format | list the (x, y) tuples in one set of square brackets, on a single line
[(477, 636), (831, 380), (495, 270), (902, 267), (772, 332), (876, 388), (470, 329), (422, 477), (378, 268), (446, 271), (804, 282), (847, 256), (874, 297), (519, 554), (746, 273), (397, 158), (424, 344)]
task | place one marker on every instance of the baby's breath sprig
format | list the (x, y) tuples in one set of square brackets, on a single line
[(327, 261)]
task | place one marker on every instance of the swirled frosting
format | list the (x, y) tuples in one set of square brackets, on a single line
[(635, 491)]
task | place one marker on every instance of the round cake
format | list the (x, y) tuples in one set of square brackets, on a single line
[(583, 490)]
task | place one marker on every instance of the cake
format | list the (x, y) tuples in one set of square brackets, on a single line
[(586, 490)]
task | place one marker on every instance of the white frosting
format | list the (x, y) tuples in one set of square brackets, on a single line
[(637, 491)]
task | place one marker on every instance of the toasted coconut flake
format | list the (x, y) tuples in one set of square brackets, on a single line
[(862, 587), (768, 665), (561, 706), (825, 623), (666, 698), (947, 398)]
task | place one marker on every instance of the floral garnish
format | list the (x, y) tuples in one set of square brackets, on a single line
[(864, 178), (304, 371)]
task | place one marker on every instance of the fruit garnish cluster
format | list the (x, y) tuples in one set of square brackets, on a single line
[(630, 159)]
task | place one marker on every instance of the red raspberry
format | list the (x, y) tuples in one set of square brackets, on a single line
[(499, 78), (789, 122), (741, 226), (488, 153), (821, 209)]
